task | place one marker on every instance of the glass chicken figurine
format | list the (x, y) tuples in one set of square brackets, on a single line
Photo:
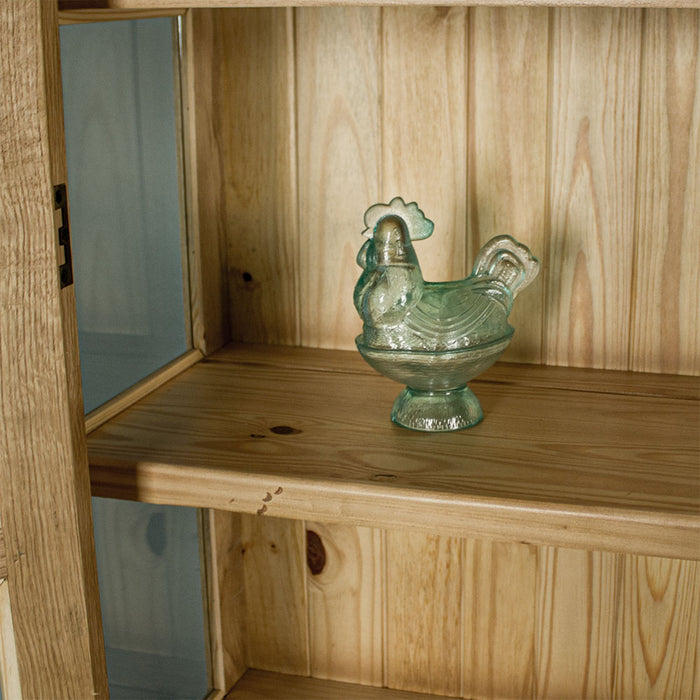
[(434, 337)]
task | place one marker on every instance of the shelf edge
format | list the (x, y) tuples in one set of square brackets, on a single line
[(667, 534)]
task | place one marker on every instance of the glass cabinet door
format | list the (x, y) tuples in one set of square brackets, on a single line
[(120, 87)]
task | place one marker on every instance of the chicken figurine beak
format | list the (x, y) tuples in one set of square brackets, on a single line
[(433, 336)]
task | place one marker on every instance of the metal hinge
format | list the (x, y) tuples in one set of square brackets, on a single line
[(65, 269)]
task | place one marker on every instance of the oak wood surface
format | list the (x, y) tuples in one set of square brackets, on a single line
[(274, 571), (3, 557), (508, 374), (202, 84), (665, 334), (507, 173), (151, 4), (45, 499), (261, 685), (81, 16), (225, 595), (247, 164), (551, 124), (572, 467), (595, 64), (659, 626), (345, 578), (482, 619), (114, 406), (337, 95), (423, 72), (423, 649), (499, 619), (575, 625), (9, 676)]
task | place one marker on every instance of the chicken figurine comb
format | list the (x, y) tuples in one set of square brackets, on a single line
[(434, 337)]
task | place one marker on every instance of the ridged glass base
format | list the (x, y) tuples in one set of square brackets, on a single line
[(437, 411)]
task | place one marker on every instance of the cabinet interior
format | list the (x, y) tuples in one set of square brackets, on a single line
[(576, 130)]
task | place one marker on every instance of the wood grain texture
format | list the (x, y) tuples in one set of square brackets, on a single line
[(114, 406), (247, 168), (337, 58), (225, 595), (424, 151), (500, 587), (259, 685), (508, 90), (149, 4), (275, 592), (594, 107), (345, 602), (9, 668), (46, 512), (560, 466), (3, 557), (537, 135), (659, 626), (81, 16), (505, 373), (205, 291), (206, 155), (576, 623), (423, 613), (665, 328)]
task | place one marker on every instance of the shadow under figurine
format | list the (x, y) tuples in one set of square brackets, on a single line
[(433, 336)]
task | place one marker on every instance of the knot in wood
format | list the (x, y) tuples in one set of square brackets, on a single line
[(315, 553)]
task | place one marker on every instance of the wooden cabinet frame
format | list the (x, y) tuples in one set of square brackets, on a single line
[(50, 627)]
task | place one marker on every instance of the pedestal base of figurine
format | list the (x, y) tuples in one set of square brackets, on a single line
[(437, 411)]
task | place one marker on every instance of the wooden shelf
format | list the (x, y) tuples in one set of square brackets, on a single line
[(566, 457), (262, 685)]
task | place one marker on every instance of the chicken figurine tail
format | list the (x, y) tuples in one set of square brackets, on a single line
[(434, 336)]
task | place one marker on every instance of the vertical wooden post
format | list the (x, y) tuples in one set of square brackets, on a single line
[(45, 494)]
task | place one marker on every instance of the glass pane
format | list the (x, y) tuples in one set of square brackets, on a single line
[(151, 596), (119, 104)]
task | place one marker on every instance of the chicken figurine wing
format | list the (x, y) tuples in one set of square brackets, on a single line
[(433, 336)]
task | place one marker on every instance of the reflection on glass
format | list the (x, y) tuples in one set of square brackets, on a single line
[(151, 596), (119, 105)]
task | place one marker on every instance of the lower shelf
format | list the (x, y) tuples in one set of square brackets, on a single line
[(564, 457), (262, 685)]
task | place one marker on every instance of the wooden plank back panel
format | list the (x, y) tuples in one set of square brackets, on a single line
[(424, 102), (225, 597), (496, 120), (593, 156), (500, 589), (274, 573), (576, 623), (423, 613), (246, 157), (345, 597), (337, 52), (666, 309), (479, 619), (659, 629), (507, 149)]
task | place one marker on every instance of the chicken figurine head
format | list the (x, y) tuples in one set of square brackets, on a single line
[(434, 337)]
